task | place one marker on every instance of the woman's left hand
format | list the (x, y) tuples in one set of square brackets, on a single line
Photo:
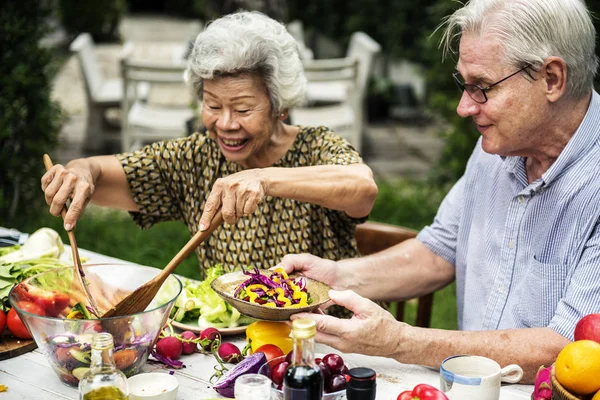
[(371, 330), (236, 195)]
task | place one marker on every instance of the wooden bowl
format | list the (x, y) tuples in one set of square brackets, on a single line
[(225, 286), (559, 392)]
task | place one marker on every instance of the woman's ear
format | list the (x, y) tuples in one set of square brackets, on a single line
[(555, 75)]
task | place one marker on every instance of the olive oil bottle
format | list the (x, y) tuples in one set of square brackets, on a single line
[(303, 379), (103, 380)]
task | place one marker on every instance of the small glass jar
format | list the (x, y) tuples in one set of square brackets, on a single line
[(103, 380), (252, 387)]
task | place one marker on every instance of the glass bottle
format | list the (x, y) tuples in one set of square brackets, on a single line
[(361, 384), (103, 380), (303, 379)]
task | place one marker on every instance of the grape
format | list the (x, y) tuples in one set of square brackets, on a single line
[(334, 362), (278, 372), (336, 383)]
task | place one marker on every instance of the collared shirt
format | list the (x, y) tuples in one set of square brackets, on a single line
[(526, 255)]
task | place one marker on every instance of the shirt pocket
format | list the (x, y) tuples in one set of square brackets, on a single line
[(539, 293)]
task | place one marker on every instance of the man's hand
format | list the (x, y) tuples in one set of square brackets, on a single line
[(313, 267), (237, 195), (371, 331)]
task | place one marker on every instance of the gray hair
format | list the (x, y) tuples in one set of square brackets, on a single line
[(529, 31), (250, 42)]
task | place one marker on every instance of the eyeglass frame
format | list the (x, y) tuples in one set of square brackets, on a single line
[(463, 86)]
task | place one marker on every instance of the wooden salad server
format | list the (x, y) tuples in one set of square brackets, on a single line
[(75, 252), (138, 300)]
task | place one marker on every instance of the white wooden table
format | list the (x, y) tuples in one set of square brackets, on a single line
[(29, 376)]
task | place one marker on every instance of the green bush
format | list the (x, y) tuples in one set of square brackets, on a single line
[(29, 119), (100, 18)]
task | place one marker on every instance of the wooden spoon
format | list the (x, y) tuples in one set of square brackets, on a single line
[(138, 300), (75, 252)]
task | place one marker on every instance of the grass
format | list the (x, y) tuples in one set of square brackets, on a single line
[(111, 232)]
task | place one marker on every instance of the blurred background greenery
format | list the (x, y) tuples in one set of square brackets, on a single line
[(30, 120)]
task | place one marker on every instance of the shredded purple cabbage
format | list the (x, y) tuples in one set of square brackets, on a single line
[(167, 361), (256, 278)]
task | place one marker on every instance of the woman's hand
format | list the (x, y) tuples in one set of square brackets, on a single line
[(370, 331), (237, 195), (61, 184)]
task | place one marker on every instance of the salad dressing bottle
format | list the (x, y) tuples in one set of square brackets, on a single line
[(103, 380), (303, 379)]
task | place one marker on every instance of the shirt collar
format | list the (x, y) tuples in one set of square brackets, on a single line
[(586, 134)]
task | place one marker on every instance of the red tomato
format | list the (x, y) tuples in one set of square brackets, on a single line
[(2, 321), (271, 351), (32, 308), (422, 392), (15, 325), (52, 302)]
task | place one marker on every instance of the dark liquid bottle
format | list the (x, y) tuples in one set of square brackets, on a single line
[(361, 384), (303, 379)]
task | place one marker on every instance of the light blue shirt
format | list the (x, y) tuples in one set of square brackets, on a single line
[(526, 255)]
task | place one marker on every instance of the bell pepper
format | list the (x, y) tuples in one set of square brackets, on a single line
[(253, 295), (422, 392), (280, 296), (269, 332)]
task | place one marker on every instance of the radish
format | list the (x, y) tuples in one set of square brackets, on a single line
[(208, 336), (230, 353), (188, 347), (169, 347)]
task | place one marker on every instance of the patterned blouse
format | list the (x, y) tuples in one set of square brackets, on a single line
[(171, 180)]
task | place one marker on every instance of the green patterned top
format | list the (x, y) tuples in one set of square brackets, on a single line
[(171, 180)]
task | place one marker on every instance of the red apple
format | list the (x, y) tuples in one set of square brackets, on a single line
[(588, 328)]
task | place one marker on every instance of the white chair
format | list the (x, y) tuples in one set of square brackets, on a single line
[(340, 117), (101, 93), (146, 121), (296, 29), (325, 85)]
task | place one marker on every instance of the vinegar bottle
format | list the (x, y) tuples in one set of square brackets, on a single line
[(303, 379), (103, 380)]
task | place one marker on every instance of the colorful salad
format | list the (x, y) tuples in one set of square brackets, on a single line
[(276, 290)]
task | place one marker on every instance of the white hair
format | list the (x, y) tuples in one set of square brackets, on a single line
[(250, 42), (529, 31)]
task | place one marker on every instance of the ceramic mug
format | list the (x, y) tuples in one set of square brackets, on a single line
[(474, 377)]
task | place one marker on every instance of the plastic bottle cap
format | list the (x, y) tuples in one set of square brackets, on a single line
[(361, 378), (304, 328)]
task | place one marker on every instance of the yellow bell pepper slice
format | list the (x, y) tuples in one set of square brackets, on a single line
[(269, 332), (253, 295), (280, 296)]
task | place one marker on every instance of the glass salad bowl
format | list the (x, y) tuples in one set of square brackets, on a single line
[(66, 342)]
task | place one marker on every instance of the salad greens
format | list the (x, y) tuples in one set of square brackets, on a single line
[(39, 253), (199, 302)]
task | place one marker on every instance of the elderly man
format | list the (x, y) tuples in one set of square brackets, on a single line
[(519, 231)]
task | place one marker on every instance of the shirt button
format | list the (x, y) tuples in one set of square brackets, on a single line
[(520, 199), (510, 244)]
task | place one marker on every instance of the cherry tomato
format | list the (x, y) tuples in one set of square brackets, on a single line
[(15, 325), (30, 307), (422, 392), (271, 351), (278, 372), (2, 321), (52, 302)]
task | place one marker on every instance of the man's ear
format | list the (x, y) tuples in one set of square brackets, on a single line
[(554, 72)]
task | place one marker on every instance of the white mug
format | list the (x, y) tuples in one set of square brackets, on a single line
[(474, 377)]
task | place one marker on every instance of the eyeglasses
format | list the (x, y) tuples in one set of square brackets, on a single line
[(476, 92)]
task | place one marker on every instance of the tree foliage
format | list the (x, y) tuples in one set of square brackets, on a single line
[(29, 119)]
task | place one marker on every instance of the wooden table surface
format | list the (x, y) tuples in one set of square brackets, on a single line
[(29, 376)]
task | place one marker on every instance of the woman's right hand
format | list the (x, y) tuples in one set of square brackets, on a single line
[(61, 184), (313, 267)]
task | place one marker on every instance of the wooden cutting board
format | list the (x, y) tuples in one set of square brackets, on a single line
[(11, 347)]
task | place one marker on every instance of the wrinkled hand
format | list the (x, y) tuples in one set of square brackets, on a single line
[(372, 330), (60, 184), (237, 195), (313, 267)]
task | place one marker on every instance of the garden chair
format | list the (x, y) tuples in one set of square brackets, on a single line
[(372, 237), (101, 93), (346, 108), (296, 29), (148, 121), (342, 117)]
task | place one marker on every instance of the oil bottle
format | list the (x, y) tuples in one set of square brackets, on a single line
[(303, 379), (103, 380)]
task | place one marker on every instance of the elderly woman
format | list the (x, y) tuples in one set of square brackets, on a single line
[(281, 188)]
